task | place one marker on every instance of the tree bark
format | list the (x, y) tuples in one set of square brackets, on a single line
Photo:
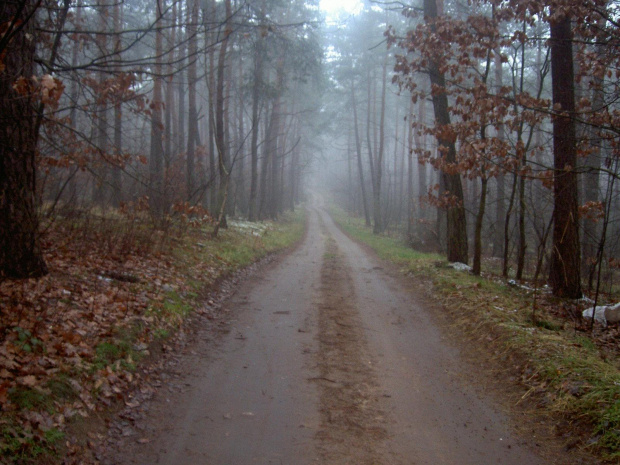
[(74, 97), (565, 276), (521, 221), (118, 116), (500, 206), (220, 129), (241, 191), (192, 119), (401, 175), (256, 97), (182, 55), (369, 142), (420, 143), (477, 265), (170, 122), (376, 193), (265, 164), (456, 222), (410, 201), (507, 219), (157, 149), (20, 249), (211, 102), (358, 150), (294, 167), (100, 184), (271, 149)]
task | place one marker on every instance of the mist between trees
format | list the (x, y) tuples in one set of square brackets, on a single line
[(487, 130), (483, 129)]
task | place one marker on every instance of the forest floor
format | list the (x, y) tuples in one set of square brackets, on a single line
[(119, 295), (330, 355)]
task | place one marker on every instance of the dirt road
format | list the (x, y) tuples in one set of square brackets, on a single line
[(328, 359)]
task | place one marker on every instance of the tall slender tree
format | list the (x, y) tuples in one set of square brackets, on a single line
[(565, 276), (192, 120), (118, 113), (220, 122), (20, 249), (457, 248), (256, 104), (358, 151), (157, 128)]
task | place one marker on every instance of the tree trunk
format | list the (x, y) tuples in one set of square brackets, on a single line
[(358, 149), (294, 167), (100, 185), (369, 143), (266, 162), (20, 250), (410, 201), (271, 147), (170, 123), (220, 130), (522, 239), (401, 175), (74, 97), (420, 143), (182, 54), (230, 162), (376, 193), (192, 120), (477, 265), (170, 87), (241, 197), (456, 222), (157, 149), (511, 203), (211, 102), (118, 116), (256, 96), (565, 274), (500, 206)]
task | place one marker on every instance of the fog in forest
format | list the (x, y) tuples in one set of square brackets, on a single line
[(307, 231), (459, 127)]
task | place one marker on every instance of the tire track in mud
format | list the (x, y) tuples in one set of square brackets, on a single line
[(353, 421)]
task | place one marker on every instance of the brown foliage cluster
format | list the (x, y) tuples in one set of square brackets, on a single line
[(465, 50), (46, 89)]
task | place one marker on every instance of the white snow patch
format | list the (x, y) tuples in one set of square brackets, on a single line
[(250, 228), (460, 266), (604, 313)]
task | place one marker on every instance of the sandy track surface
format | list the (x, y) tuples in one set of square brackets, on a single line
[(325, 358)]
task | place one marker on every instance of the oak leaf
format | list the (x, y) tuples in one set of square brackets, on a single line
[(28, 381)]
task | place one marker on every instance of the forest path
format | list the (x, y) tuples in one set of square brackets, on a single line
[(330, 360)]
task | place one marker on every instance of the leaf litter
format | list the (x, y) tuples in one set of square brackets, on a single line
[(71, 340)]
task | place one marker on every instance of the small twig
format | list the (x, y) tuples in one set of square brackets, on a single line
[(525, 395), (320, 378)]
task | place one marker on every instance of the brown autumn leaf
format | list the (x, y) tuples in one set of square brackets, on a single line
[(4, 391), (22, 86), (28, 380)]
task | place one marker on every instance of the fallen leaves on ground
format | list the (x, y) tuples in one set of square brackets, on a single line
[(70, 340)]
